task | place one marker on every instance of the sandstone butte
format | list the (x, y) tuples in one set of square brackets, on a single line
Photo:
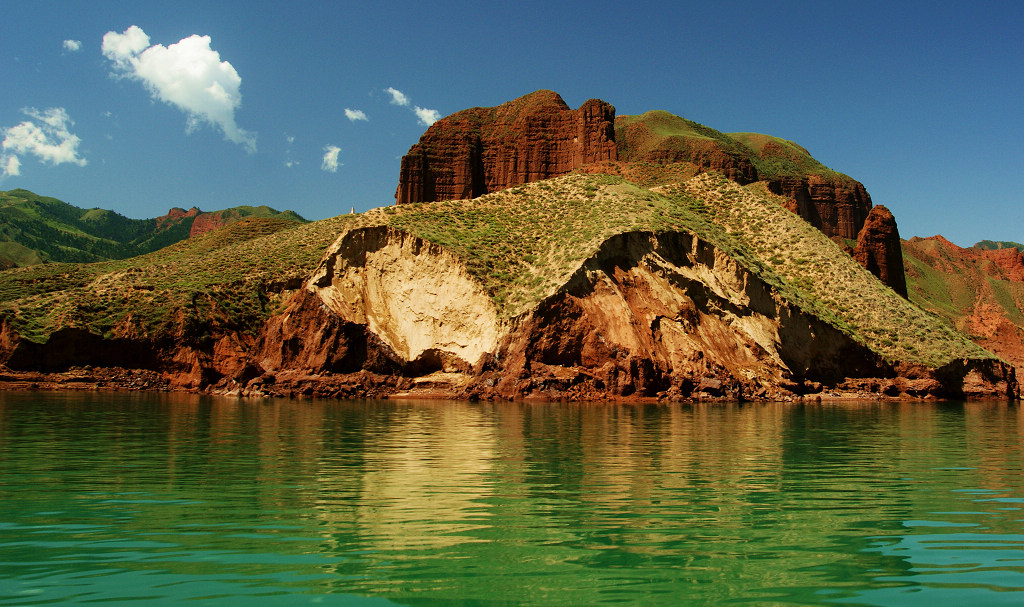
[(670, 292), (535, 137)]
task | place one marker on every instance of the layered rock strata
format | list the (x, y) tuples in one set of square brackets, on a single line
[(660, 316), (481, 150), (535, 137)]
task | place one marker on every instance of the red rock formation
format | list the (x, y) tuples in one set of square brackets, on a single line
[(836, 206), (978, 290), (207, 222), (176, 214), (482, 150), (1010, 262), (878, 249)]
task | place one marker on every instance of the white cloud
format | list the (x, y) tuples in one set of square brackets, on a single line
[(122, 48), (188, 75), (397, 96), (354, 115), (292, 163), (73, 45), (427, 117), (49, 139), (331, 158)]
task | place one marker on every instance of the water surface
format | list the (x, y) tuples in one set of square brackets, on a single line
[(167, 498)]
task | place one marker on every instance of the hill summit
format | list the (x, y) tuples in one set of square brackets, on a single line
[(537, 136)]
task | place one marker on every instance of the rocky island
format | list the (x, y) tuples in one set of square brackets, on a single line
[(534, 252)]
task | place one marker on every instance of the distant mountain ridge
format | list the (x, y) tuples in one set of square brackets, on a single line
[(992, 245), (38, 229)]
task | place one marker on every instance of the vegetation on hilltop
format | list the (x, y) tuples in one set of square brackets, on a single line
[(970, 291), (775, 158), (660, 136), (998, 244)]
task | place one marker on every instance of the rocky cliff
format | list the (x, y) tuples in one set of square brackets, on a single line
[(581, 287), (879, 250), (481, 150), (537, 136)]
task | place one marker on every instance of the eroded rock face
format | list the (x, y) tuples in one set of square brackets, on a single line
[(668, 314), (879, 250), (481, 150), (415, 296), (837, 207), (206, 222), (649, 316), (659, 316)]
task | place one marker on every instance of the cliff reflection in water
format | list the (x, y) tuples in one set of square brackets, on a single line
[(530, 502)]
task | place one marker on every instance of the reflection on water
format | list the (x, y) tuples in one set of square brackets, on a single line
[(168, 497)]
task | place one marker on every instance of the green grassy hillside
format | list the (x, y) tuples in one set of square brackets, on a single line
[(38, 229), (658, 136), (522, 244)]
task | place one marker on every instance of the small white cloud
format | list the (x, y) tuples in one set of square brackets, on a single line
[(73, 45), (289, 138), (354, 115), (427, 117), (12, 166), (188, 75), (397, 96), (331, 158), (49, 139), (292, 163)]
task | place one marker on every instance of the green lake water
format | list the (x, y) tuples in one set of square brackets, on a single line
[(171, 499)]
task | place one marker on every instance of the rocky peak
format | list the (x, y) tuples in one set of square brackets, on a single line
[(878, 249), (177, 213), (485, 149)]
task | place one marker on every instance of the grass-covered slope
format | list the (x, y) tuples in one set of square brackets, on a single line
[(661, 137), (37, 229), (522, 244), (224, 275)]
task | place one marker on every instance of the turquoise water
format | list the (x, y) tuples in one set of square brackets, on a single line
[(163, 499)]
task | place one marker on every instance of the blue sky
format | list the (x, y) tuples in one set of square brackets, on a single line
[(920, 101)]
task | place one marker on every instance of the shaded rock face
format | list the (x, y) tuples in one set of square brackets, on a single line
[(482, 150), (836, 207), (879, 250)]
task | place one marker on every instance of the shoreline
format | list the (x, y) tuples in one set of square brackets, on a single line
[(371, 386)]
